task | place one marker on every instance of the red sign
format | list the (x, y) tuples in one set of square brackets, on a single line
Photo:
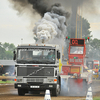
[(75, 42)]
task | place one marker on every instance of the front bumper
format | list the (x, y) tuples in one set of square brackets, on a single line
[(30, 86)]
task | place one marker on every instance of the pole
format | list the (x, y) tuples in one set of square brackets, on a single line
[(81, 23), (21, 40), (76, 26)]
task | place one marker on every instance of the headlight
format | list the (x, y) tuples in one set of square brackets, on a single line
[(48, 80), (19, 80)]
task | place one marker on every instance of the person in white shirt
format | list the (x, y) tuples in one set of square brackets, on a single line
[(79, 51)]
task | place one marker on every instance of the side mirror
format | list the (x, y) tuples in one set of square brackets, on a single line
[(14, 55), (58, 55)]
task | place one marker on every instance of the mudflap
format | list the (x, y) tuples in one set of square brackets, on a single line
[(77, 87)]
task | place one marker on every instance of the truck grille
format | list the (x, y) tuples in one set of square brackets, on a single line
[(35, 71), (34, 80)]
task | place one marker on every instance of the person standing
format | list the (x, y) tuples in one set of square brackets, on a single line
[(1, 70)]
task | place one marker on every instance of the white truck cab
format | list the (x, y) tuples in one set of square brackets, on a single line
[(37, 68)]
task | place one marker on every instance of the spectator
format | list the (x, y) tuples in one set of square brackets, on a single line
[(1, 69)]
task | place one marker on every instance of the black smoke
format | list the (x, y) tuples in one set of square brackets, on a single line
[(39, 5)]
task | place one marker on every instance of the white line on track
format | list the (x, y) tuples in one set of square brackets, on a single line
[(6, 84), (4, 93), (81, 99)]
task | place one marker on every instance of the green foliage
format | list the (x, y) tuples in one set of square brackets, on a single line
[(96, 98), (93, 49), (6, 51), (8, 81), (95, 43), (9, 54), (2, 52)]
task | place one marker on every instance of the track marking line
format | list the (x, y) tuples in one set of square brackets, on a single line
[(4, 93)]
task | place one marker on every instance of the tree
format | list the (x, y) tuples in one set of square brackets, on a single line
[(11, 47), (6, 50), (85, 28), (2, 53), (9, 55), (6, 45), (93, 51)]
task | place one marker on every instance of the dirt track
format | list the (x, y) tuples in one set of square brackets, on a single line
[(8, 92)]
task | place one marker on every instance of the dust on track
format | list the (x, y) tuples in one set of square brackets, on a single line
[(8, 92)]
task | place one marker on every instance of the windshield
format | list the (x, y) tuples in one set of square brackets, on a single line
[(36, 56), (76, 50)]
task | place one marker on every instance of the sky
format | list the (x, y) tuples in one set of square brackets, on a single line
[(15, 28)]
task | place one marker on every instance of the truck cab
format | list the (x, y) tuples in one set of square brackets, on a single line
[(37, 68)]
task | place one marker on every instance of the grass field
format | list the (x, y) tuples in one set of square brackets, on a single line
[(8, 81), (96, 98)]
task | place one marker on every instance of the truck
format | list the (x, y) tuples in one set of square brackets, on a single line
[(74, 71), (94, 65), (37, 72)]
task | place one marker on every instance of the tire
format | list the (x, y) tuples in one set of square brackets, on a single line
[(56, 91), (21, 92)]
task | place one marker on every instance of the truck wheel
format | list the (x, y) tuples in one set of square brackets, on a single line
[(56, 91), (21, 92)]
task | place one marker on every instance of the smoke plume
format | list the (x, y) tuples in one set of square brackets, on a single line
[(53, 16), (52, 25), (53, 22), (39, 5)]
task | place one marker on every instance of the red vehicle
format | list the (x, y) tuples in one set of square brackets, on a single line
[(94, 65), (78, 78)]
